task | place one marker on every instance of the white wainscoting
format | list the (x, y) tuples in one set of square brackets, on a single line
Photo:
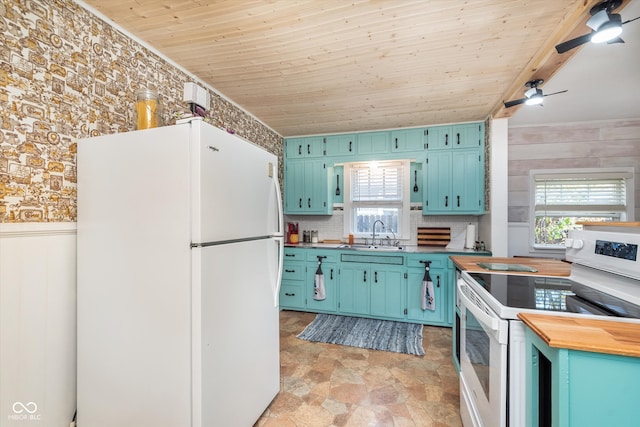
[(37, 324)]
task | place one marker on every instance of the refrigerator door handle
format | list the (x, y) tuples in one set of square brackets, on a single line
[(280, 240)]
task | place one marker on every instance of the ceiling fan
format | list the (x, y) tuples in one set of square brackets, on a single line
[(533, 96), (606, 26)]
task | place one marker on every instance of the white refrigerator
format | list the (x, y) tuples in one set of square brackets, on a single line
[(179, 265)]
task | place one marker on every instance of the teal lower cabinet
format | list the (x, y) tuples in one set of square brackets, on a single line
[(442, 292), (572, 388), (329, 270), (368, 284), (388, 292), (292, 291), (372, 285), (355, 290)]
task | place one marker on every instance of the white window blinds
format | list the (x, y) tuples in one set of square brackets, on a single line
[(382, 182), (580, 193)]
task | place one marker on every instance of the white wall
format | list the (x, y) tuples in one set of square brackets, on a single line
[(493, 225), (37, 324), (594, 144)]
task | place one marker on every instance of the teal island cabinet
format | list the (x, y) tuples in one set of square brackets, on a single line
[(581, 372)]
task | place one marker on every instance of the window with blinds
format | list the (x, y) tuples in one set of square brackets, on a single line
[(378, 183), (561, 199), (377, 191)]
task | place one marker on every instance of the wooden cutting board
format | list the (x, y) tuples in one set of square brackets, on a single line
[(434, 236)]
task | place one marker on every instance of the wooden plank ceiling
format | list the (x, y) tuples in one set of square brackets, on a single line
[(323, 66)]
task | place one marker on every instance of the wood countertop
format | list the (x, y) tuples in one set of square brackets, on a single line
[(544, 266), (575, 333)]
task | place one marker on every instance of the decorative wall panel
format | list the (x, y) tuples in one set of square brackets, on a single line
[(65, 74)]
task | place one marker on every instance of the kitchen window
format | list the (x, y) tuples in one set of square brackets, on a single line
[(377, 191), (560, 198)]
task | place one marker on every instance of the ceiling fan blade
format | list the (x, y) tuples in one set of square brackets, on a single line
[(616, 40), (555, 93), (630, 20), (508, 104), (573, 43)]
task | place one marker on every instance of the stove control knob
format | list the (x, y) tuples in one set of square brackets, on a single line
[(568, 243), (578, 244)]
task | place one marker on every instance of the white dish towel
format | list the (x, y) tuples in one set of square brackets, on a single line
[(428, 294), (319, 292)]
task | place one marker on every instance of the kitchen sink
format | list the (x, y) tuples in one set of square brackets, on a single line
[(363, 247)]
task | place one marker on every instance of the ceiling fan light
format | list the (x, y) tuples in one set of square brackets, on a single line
[(606, 32), (534, 100)]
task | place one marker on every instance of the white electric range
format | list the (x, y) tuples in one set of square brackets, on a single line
[(490, 340)]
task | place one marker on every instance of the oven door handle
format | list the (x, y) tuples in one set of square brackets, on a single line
[(496, 325)]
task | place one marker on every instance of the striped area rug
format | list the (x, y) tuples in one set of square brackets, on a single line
[(373, 334)]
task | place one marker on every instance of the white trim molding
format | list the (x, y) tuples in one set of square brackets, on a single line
[(29, 229)]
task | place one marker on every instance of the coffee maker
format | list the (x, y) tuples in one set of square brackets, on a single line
[(292, 233)]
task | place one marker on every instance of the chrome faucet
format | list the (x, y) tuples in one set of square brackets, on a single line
[(373, 233)]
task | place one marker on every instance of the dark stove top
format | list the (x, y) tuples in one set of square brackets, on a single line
[(553, 294)]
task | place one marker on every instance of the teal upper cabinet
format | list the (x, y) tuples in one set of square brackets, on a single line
[(372, 143), (469, 135), (403, 140), (298, 148), (340, 145), (306, 187), (454, 182)]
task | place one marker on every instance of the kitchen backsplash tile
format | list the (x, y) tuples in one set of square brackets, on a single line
[(66, 74), (331, 227)]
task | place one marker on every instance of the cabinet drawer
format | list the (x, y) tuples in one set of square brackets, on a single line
[(291, 295), (293, 271), (293, 254), (414, 261), (331, 256)]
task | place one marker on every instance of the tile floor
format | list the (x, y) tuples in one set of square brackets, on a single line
[(328, 385)]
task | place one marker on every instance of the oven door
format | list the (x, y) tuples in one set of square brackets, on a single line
[(483, 360)]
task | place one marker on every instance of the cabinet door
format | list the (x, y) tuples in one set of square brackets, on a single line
[(408, 140), (315, 187), (469, 135), (354, 289), (388, 292), (293, 148), (313, 146), (439, 137), (414, 297), (373, 143), (437, 182), (340, 145), (330, 273), (298, 148), (467, 185), (294, 191)]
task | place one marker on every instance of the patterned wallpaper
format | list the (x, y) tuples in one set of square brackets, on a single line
[(66, 74)]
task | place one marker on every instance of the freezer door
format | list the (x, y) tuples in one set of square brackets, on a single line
[(236, 355), (235, 187)]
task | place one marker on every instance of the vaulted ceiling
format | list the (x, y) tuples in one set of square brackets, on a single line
[(323, 66)]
